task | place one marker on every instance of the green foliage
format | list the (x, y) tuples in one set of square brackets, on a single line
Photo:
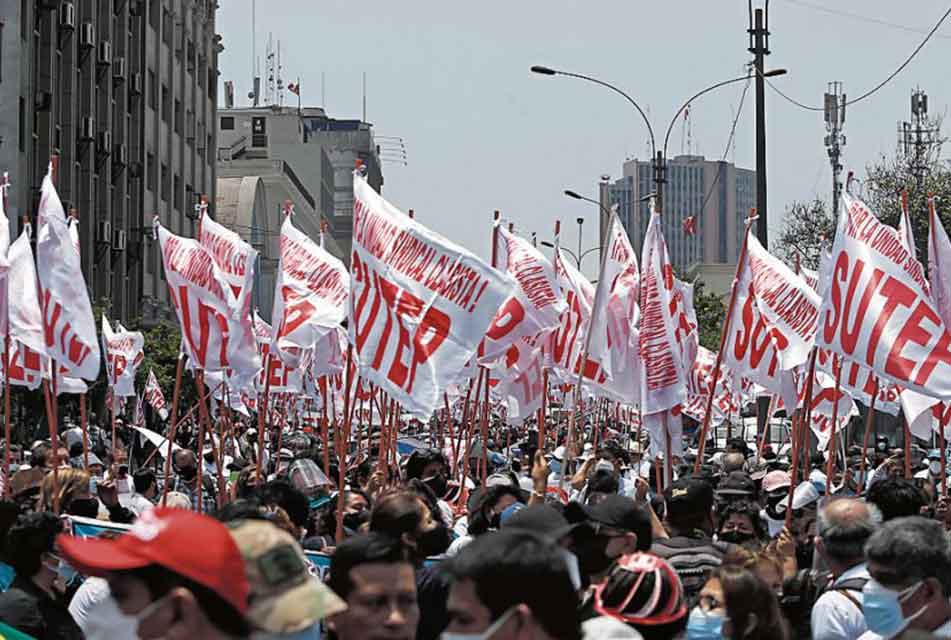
[(710, 309), (162, 342), (807, 225)]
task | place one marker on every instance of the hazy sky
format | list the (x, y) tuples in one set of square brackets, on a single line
[(483, 133)]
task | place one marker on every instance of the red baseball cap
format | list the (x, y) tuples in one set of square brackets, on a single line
[(185, 542)]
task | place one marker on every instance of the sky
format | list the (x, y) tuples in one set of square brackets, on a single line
[(483, 133)]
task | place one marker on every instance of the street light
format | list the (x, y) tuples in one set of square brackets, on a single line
[(571, 253), (658, 157)]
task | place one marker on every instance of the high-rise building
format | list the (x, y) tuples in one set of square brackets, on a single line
[(124, 92), (717, 194), (273, 153)]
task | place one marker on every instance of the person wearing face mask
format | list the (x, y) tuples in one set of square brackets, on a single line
[(33, 604), (740, 524), (909, 561), (511, 584), (775, 488), (486, 513), (735, 603), (843, 528), (614, 527), (407, 517), (932, 474), (186, 479), (431, 467)]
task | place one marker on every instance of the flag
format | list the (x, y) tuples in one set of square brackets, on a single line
[(124, 354), (139, 419), (690, 225), (419, 305), (535, 307), (905, 231), (25, 315), (566, 344), (4, 261), (663, 378), (203, 301), (154, 395), (613, 344), (310, 295), (68, 325), (235, 260), (773, 322), (294, 88), (878, 310)]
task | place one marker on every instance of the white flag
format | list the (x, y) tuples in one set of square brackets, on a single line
[(419, 304), (68, 325), (154, 395), (878, 311), (124, 354), (26, 318), (310, 296), (566, 345)]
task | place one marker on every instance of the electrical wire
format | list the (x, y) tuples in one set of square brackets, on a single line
[(860, 17), (726, 151), (881, 84)]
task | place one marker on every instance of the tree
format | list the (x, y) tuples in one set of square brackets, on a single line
[(808, 225), (711, 311)]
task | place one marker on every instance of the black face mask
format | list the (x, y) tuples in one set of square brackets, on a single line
[(433, 542), (592, 554), (772, 502), (188, 473), (355, 520), (84, 507), (210, 458), (736, 537), (438, 484)]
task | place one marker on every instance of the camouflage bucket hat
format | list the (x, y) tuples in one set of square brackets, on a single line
[(284, 597)]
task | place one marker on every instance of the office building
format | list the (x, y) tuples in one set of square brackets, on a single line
[(717, 194), (124, 91)]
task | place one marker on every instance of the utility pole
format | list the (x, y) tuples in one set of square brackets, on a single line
[(834, 141), (759, 47), (917, 139)]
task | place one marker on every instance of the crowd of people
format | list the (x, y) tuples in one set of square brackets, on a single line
[(587, 540)]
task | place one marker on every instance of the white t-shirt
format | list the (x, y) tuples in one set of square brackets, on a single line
[(944, 631), (98, 615), (834, 616)]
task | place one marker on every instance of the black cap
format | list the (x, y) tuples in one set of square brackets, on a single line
[(617, 512), (542, 519), (687, 497), (737, 483)]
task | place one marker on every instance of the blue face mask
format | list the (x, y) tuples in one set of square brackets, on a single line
[(554, 466), (882, 607), (702, 625), (316, 503)]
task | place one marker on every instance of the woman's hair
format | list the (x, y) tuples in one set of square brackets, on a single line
[(751, 560), (747, 595), (397, 513), (748, 509), (70, 482)]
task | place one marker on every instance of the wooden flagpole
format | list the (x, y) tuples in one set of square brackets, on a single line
[(173, 424), (803, 425), (4, 187), (344, 440), (869, 419), (723, 337)]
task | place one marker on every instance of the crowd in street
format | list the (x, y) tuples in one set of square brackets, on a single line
[(587, 540)]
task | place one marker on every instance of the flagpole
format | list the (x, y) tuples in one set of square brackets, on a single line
[(83, 425), (173, 424), (941, 443), (869, 418), (723, 337), (325, 427), (343, 441), (51, 407), (803, 426), (830, 448)]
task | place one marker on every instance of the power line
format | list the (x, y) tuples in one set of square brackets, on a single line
[(881, 84), (858, 16), (726, 151)]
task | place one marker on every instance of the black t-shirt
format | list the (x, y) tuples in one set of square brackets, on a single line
[(432, 592), (29, 609)]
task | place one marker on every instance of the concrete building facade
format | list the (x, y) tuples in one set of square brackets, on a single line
[(718, 194), (124, 92)]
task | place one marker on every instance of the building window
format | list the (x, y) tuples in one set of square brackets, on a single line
[(153, 13), (153, 91), (151, 170), (167, 27), (166, 103), (165, 184), (227, 123), (21, 134), (177, 195), (178, 117)]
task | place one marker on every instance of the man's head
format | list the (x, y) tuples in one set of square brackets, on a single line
[(512, 584), (733, 461), (144, 481), (910, 562), (375, 575), (179, 572), (186, 464), (896, 498), (30, 545), (689, 505), (406, 516), (613, 527), (843, 527)]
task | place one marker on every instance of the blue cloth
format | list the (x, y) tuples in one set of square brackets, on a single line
[(7, 574)]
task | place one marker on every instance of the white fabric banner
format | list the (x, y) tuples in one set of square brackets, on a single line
[(566, 345), (154, 395), (68, 324), (26, 317), (419, 304), (124, 354), (310, 295), (878, 311)]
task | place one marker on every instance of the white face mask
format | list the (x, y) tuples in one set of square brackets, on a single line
[(934, 467), (110, 622), (485, 635)]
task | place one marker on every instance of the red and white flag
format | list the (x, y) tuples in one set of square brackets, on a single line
[(235, 260), (419, 304), (773, 322), (534, 309), (25, 315), (154, 395), (68, 324), (310, 296), (699, 386), (139, 419), (613, 344), (878, 310), (566, 345), (202, 299), (825, 397), (663, 379), (124, 354)]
